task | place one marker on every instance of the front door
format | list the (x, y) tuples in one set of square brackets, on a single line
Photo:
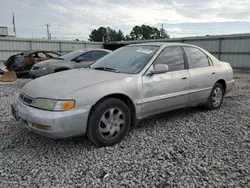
[(166, 91), (87, 59)]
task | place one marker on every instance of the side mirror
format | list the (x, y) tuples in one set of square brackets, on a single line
[(159, 68), (79, 59)]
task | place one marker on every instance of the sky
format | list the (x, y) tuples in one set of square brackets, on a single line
[(71, 19)]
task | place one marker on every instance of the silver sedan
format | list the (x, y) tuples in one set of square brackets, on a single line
[(73, 60), (129, 84)]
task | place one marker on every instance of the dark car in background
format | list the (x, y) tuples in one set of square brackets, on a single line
[(21, 63)]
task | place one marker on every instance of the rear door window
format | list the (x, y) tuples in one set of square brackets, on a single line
[(42, 55), (38, 55), (52, 55), (196, 58)]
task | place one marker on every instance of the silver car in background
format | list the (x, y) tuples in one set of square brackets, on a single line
[(72, 60), (131, 83)]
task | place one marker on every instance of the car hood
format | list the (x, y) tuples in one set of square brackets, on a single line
[(57, 85), (51, 62)]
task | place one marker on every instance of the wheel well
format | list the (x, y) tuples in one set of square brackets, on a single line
[(126, 100), (61, 69), (223, 83)]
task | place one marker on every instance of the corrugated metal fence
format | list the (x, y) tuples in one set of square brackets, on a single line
[(234, 49), (10, 46)]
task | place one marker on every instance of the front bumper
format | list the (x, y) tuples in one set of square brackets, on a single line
[(61, 124), (40, 72)]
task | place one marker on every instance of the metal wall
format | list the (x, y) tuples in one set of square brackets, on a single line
[(234, 49), (10, 46), (3, 31)]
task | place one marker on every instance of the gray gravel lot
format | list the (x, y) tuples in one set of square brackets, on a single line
[(186, 148)]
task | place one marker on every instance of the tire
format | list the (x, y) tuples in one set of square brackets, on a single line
[(214, 102), (109, 117)]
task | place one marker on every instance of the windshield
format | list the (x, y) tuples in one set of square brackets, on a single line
[(129, 59), (71, 55)]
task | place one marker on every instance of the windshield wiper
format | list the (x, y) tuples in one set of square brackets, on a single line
[(106, 69)]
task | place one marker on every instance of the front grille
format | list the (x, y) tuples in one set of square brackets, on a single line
[(36, 68), (25, 99)]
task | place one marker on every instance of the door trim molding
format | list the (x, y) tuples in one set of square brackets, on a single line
[(171, 95), (162, 97), (199, 90)]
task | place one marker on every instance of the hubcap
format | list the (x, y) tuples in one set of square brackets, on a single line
[(111, 123), (217, 97)]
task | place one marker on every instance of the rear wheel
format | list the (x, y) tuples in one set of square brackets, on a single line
[(216, 97), (109, 122)]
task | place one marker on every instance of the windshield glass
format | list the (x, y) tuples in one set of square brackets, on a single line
[(71, 55), (129, 59)]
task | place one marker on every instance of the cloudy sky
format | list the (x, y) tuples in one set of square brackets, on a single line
[(71, 19)]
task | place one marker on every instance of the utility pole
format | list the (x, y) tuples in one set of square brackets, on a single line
[(48, 34), (161, 29)]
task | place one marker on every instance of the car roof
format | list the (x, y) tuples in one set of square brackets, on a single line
[(162, 44), (91, 49), (35, 51), (79, 50), (98, 49)]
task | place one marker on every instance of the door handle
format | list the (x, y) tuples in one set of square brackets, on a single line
[(184, 78), (213, 72)]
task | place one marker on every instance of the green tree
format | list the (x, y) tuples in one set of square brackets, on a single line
[(164, 34), (97, 35), (107, 34), (127, 37), (120, 35), (111, 34), (145, 32)]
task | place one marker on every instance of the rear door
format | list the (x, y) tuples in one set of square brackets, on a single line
[(202, 74), (166, 91)]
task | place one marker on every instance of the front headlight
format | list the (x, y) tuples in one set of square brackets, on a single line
[(52, 104)]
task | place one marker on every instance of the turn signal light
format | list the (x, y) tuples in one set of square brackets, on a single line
[(67, 105), (44, 127)]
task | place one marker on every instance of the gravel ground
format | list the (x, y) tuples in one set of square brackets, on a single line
[(186, 148)]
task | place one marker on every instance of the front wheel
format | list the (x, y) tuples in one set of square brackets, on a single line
[(109, 122), (216, 97)]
